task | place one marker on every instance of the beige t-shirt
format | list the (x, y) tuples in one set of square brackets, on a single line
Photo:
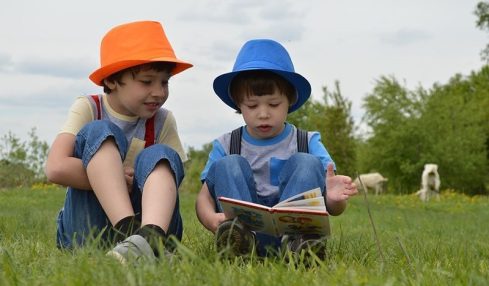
[(81, 113)]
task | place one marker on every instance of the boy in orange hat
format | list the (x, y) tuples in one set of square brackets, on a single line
[(268, 160), (119, 153)]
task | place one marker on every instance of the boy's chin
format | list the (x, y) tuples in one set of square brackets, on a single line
[(263, 135)]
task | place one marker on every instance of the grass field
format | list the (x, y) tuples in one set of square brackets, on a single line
[(442, 242)]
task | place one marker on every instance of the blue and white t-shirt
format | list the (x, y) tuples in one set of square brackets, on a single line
[(267, 156)]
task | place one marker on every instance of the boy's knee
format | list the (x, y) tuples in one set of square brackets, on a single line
[(100, 130), (94, 134), (232, 164), (101, 126), (230, 160), (302, 165), (156, 154), (304, 160)]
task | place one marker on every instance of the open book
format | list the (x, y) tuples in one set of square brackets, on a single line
[(304, 213)]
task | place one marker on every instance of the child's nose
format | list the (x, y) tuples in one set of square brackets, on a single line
[(263, 112), (160, 90)]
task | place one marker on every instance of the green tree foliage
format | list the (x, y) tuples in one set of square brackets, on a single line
[(332, 118), (193, 168), (393, 147), (446, 126), (482, 14), (457, 131), (21, 163)]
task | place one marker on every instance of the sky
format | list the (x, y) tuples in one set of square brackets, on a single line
[(48, 49)]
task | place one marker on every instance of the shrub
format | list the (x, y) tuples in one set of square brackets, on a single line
[(22, 163)]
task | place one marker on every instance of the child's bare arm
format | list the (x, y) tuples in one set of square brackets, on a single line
[(64, 169), (205, 210)]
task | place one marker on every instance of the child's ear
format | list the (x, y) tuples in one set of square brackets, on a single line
[(110, 84)]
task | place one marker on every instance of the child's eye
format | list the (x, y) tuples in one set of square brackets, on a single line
[(252, 106), (145, 82), (274, 104)]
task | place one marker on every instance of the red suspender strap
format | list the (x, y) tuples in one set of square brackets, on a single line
[(149, 133), (99, 108)]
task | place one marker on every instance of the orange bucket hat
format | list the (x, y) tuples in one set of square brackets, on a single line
[(133, 44)]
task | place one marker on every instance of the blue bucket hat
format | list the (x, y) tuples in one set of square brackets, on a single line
[(268, 55)]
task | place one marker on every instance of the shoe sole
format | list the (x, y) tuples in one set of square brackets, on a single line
[(117, 256), (236, 238)]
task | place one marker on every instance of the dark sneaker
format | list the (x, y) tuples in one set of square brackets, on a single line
[(133, 249), (234, 238), (305, 244), (123, 229), (157, 239)]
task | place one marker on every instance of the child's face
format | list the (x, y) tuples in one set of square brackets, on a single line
[(265, 115), (141, 95)]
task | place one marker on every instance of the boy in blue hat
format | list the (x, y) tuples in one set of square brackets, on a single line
[(266, 161)]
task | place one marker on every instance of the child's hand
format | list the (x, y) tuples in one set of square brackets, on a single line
[(129, 176), (339, 187), (216, 220)]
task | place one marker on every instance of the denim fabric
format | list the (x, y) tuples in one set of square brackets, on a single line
[(232, 176), (82, 216)]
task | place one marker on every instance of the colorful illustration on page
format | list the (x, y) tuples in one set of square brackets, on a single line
[(249, 218)]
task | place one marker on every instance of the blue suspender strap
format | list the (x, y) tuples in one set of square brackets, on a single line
[(302, 141), (235, 145)]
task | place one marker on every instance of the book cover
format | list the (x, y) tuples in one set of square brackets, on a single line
[(304, 213)]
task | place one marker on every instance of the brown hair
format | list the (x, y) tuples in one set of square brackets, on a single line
[(157, 66), (260, 82)]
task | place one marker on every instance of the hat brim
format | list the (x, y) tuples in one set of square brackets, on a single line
[(222, 84), (100, 74)]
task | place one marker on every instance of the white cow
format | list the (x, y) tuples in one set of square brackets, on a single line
[(372, 180), (430, 183)]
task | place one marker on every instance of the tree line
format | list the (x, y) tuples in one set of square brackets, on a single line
[(447, 124)]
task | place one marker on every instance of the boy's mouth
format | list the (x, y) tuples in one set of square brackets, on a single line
[(264, 128), (152, 106)]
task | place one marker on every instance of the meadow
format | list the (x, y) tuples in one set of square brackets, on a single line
[(443, 242)]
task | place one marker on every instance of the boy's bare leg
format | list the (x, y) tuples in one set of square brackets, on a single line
[(159, 197), (106, 175)]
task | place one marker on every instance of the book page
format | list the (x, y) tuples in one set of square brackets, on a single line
[(314, 193), (254, 216), (312, 203), (304, 222)]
